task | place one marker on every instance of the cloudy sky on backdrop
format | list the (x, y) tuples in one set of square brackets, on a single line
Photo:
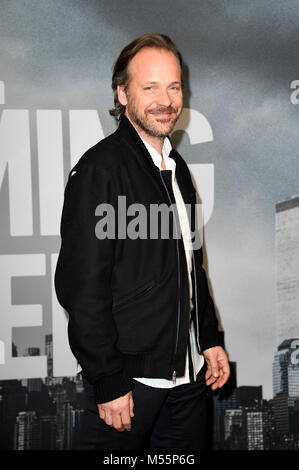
[(241, 58)]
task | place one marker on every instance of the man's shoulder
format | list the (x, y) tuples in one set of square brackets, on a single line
[(181, 163), (182, 170), (105, 154)]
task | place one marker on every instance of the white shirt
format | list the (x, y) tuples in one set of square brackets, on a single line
[(197, 359)]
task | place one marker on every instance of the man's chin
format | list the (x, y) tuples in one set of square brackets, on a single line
[(164, 126)]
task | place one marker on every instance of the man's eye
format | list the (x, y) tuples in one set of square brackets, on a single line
[(148, 88)]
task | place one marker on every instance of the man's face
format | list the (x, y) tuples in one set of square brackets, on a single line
[(153, 98)]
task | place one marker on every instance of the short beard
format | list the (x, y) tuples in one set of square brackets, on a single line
[(147, 128)]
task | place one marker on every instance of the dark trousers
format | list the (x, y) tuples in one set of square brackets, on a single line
[(165, 418)]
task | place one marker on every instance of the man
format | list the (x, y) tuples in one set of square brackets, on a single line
[(142, 323)]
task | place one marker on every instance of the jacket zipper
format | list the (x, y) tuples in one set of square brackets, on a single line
[(179, 286)]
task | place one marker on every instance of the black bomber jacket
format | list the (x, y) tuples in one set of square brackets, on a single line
[(128, 299)]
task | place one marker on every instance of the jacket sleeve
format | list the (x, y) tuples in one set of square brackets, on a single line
[(208, 328), (208, 323), (82, 283)]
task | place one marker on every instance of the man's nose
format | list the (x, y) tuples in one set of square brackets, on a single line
[(163, 98)]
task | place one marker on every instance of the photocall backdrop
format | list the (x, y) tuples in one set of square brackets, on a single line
[(239, 135)]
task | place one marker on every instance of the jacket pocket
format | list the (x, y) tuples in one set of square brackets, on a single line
[(130, 298)]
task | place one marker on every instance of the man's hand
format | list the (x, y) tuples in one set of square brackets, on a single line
[(218, 370), (118, 413)]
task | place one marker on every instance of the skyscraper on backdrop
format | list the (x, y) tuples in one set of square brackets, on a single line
[(286, 358), (287, 269)]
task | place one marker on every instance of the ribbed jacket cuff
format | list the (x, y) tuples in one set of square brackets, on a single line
[(209, 341), (111, 387)]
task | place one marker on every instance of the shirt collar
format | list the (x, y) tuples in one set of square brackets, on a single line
[(157, 159)]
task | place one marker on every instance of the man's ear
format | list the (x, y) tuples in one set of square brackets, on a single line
[(121, 95)]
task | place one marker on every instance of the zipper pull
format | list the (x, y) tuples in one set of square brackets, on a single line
[(174, 377)]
